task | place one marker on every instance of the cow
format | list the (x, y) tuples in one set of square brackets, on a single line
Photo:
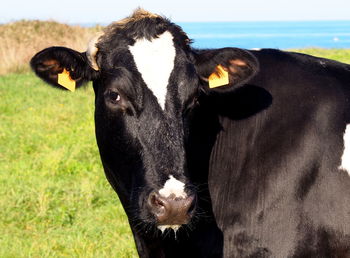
[(216, 152)]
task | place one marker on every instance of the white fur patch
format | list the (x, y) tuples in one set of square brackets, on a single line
[(173, 186), (345, 159), (173, 227), (155, 61)]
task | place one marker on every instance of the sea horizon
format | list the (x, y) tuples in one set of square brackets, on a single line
[(266, 34)]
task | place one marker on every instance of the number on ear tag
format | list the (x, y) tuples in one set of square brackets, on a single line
[(66, 81), (216, 80)]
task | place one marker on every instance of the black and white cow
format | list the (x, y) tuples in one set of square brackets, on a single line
[(218, 152)]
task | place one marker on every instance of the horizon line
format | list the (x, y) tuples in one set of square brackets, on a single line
[(87, 24)]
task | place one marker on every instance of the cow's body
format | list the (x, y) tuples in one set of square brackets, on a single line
[(274, 177), (255, 167)]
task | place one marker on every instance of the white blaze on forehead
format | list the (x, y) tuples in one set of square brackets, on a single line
[(155, 61), (345, 159), (173, 186)]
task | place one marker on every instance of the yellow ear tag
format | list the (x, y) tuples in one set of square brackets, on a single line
[(221, 80), (66, 81)]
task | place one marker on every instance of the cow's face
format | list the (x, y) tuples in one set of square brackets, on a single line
[(146, 77)]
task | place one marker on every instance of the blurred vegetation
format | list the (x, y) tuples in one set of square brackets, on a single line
[(22, 39), (55, 200), (341, 55)]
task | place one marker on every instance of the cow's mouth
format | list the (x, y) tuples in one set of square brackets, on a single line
[(164, 227)]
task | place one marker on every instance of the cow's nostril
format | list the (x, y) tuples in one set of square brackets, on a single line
[(158, 202), (157, 205)]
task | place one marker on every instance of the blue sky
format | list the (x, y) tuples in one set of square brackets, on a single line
[(106, 11)]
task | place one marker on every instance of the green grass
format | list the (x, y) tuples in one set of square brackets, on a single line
[(55, 200), (342, 55)]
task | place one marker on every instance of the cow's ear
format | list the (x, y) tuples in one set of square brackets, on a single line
[(63, 67), (225, 69)]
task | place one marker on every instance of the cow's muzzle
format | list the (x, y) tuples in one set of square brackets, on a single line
[(171, 211)]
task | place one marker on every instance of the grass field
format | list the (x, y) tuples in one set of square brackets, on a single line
[(342, 55), (55, 200)]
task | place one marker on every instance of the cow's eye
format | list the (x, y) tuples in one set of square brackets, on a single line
[(113, 97)]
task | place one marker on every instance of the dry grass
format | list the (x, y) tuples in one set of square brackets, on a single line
[(21, 40)]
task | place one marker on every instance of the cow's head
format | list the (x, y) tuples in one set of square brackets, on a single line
[(146, 78)]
